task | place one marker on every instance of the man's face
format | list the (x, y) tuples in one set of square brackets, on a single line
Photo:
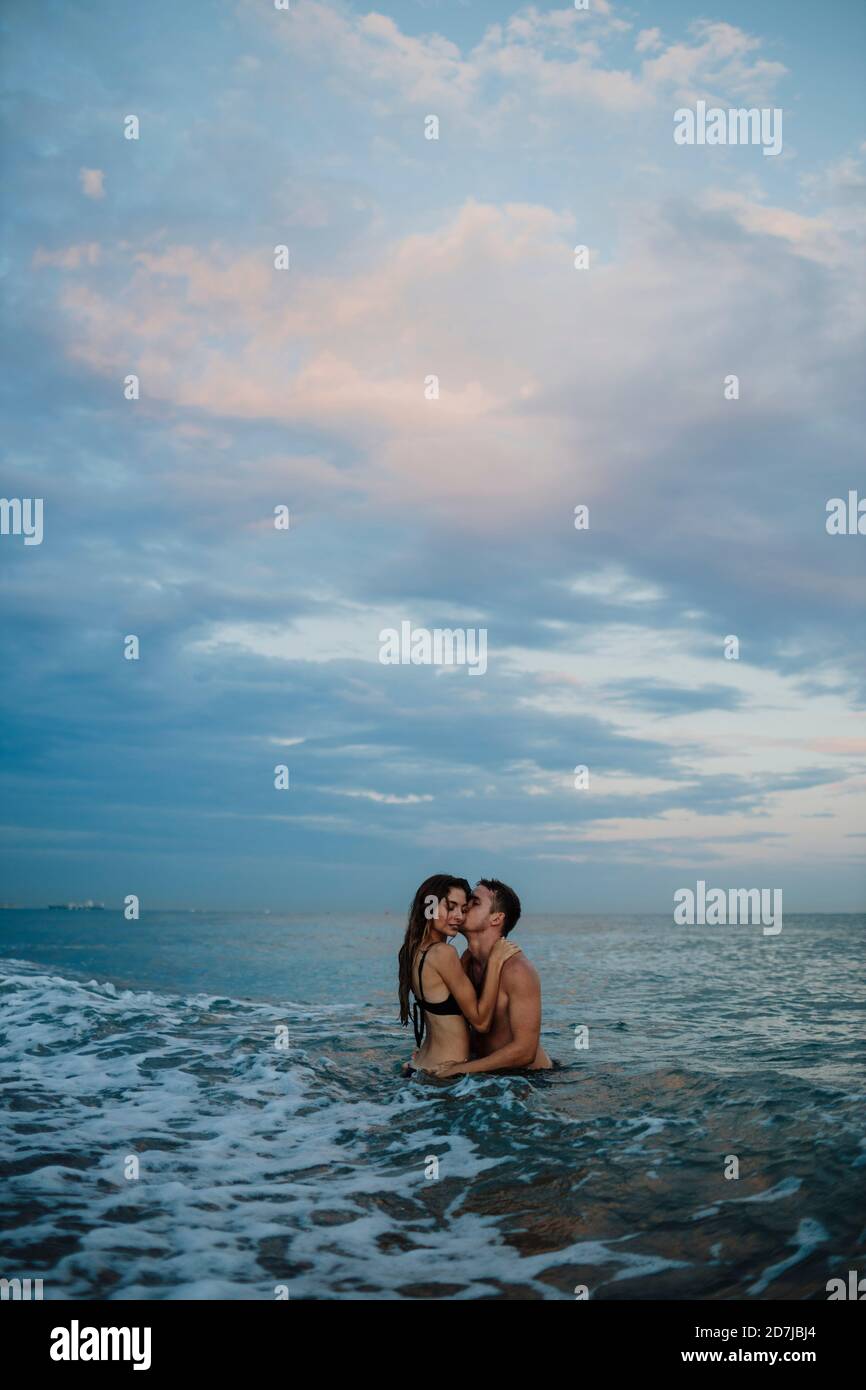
[(479, 910)]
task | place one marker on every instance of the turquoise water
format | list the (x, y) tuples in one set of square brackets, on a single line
[(306, 1166)]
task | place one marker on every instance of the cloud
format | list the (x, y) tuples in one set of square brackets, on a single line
[(522, 344), (717, 63), (669, 699), (648, 41), (814, 238), (557, 387), (384, 798), (70, 257), (556, 56), (92, 182)]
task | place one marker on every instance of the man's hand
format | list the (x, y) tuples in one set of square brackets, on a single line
[(449, 1068)]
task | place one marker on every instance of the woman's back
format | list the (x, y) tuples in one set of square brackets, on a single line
[(446, 1032)]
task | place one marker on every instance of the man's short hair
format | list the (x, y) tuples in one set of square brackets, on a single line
[(505, 900)]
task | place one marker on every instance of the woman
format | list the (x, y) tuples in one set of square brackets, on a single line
[(446, 1002)]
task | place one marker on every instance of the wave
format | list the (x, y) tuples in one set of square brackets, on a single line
[(201, 1146)]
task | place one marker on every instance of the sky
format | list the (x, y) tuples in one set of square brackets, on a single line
[(304, 387)]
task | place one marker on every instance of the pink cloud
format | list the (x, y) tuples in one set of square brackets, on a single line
[(92, 182)]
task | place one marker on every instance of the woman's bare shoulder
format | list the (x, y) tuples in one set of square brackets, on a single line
[(440, 951)]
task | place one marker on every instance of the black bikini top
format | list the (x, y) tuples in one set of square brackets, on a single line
[(447, 1006)]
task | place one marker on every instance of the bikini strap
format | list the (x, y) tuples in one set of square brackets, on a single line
[(420, 985), (418, 1008)]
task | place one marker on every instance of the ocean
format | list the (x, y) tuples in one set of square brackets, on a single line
[(316, 1169)]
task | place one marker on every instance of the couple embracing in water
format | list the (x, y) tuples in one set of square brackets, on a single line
[(480, 1011)]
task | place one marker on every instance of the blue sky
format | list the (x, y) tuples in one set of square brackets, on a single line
[(259, 387)]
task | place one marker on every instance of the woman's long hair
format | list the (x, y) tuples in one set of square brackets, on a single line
[(437, 887)]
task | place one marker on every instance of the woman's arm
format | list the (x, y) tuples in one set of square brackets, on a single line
[(524, 1020), (477, 1011)]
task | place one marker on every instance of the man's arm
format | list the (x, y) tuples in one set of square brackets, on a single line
[(466, 962), (478, 1010), (524, 1018)]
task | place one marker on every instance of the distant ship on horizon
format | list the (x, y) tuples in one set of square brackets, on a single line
[(88, 906)]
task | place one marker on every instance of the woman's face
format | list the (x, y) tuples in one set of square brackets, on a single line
[(452, 910)]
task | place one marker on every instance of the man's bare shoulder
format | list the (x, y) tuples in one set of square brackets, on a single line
[(519, 972)]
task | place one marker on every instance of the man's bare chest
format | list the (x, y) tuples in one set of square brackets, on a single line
[(500, 1013)]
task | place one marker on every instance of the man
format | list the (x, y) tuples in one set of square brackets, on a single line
[(513, 1042)]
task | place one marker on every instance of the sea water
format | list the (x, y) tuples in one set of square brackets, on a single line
[(209, 1105)]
